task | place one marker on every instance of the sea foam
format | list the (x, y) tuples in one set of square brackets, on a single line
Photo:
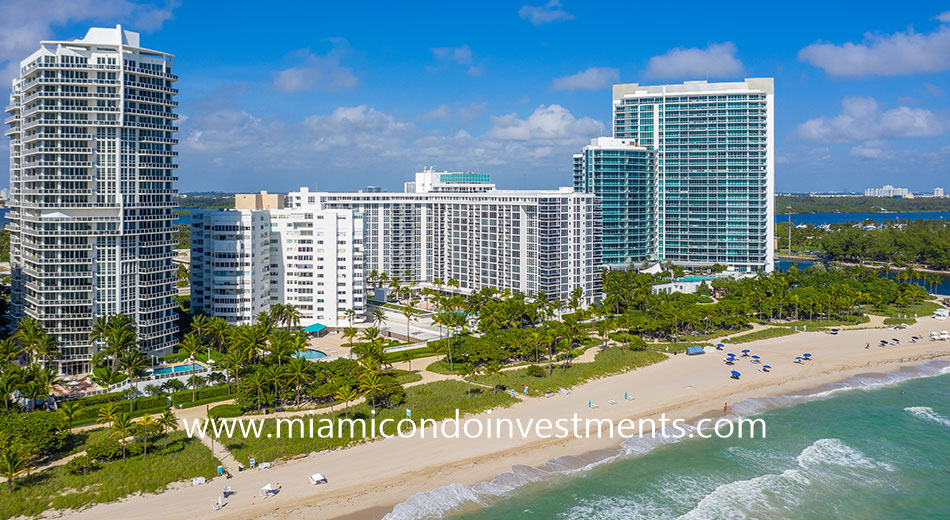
[(928, 413), (447, 499)]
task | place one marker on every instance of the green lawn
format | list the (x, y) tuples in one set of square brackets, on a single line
[(614, 360), (395, 357), (57, 489), (434, 401), (822, 324), (922, 310), (773, 332)]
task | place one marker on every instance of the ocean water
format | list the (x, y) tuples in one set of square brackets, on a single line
[(817, 219), (855, 449)]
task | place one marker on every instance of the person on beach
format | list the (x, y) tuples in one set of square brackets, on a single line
[(867, 346), (725, 407)]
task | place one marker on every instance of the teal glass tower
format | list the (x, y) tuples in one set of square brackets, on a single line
[(624, 176), (715, 166)]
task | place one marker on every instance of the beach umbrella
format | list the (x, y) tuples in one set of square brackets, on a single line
[(807, 355), (735, 374), (766, 366), (746, 351), (720, 344), (755, 357)]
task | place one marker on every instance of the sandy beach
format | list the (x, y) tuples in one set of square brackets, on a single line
[(366, 481)]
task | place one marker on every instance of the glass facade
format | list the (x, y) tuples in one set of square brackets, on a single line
[(715, 171), (624, 176)]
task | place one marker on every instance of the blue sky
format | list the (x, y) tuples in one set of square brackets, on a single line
[(340, 95)]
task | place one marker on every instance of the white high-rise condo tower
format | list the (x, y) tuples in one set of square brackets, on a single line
[(715, 165), (91, 181)]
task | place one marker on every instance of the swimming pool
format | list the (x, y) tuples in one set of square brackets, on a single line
[(309, 354), (176, 369), (697, 278)]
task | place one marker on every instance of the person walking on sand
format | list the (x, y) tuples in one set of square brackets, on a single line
[(725, 407)]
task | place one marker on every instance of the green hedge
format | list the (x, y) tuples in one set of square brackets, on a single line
[(225, 411)]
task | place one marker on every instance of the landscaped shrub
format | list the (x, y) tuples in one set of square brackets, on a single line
[(106, 449), (39, 432), (172, 448), (80, 465), (536, 371), (225, 411)]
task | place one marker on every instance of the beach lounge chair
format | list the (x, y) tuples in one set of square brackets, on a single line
[(591, 404), (565, 391), (611, 401), (263, 465), (197, 481), (627, 396), (317, 478), (268, 490)]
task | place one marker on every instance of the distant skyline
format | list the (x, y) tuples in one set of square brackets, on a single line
[(340, 96)]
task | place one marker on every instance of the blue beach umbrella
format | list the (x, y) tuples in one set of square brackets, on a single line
[(735, 374), (746, 351), (755, 357), (807, 355), (766, 366)]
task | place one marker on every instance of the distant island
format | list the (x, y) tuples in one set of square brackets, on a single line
[(857, 204)]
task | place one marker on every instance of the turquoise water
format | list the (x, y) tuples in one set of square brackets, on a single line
[(310, 354), (176, 369), (696, 278), (857, 449)]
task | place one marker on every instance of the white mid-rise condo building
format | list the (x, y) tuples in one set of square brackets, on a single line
[(245, 261), (91, 127), (457, 225)]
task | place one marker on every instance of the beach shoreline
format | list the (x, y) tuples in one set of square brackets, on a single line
[(370, 479)]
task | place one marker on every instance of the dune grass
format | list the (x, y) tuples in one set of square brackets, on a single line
[(56, 489), (435, 401)]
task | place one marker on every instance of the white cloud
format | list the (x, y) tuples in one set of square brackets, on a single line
[(461, 55), (359, 144), (24, 23), (316, 72), (717, 60), (552, 122), (933, 90), (871, 150), (896, 54), (542, 14), (593, 78), (472, 111), (862, 118), (440, 113), (944, 17)]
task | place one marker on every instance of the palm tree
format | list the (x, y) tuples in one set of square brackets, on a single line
[(145, 423), (14, 461), (29, 333), (291, 317), (345, 394), (469, 371), (493, 368), (406, 357), (200, 325), (349, 333), (192, 345), (299, 375), (407, 312), (379, 316), (107, 413), (258, 383), (10, 381), (46, 348), (275, 376), (350, 316), (282, 346), (369, 385), (232, 362), (121, 427), (133, 363), (69, 410), (167, 421), (9, 350)]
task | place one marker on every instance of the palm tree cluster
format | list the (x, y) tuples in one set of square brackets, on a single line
[(25, 357)]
